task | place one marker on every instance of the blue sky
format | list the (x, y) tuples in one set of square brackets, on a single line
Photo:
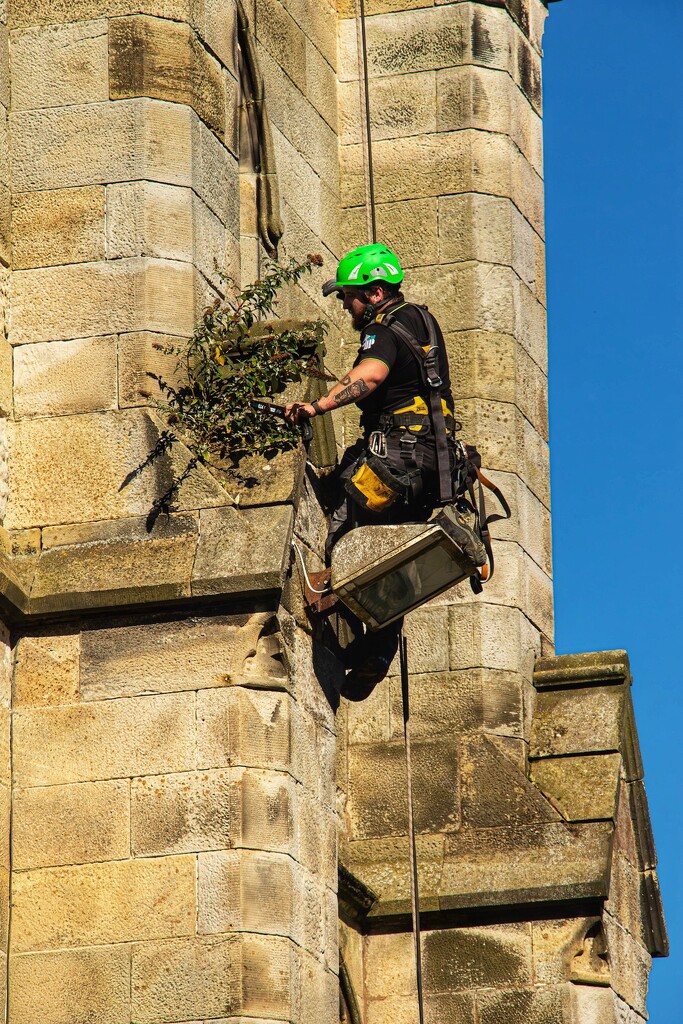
[(614, 228)]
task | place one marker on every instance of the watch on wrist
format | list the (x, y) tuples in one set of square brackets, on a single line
[(316, 405)]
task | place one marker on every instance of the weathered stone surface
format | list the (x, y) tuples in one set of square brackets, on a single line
[(265, 815), (167, 655), (250, 728), (61, 825), (488, 100), (104, 740), (492, 636), (457, 959), (510, 864), (46, 670), (447, 163), (138, 357), (524, 1006), (257, 557), (249, 891), (56, 378), (401, 106), (279, 33), (494, 792), (377, 788), (489, 229), (118, 901), (71, 986), (556, 943), (84, 484), (582, 788), (58, 226), (180, 813), (187, 978), (166, 60), (578, 721), (213, 977), (596, 1005), (59, 65), (6, 396), (408, 227), (118, 562), (82, 300)]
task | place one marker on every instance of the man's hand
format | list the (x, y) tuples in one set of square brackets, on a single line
[(298, 412)]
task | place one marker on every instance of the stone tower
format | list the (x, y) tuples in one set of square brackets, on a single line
[(194, 826)]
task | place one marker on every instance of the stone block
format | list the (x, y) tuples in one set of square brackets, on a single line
[(63, 225), (488, 100), (71, 986), (495, 332), (508, 443), (165, 60), (629, 965), (140, 354), (59, 825), (265, 815), (249, 728), (279, 33), (186, 979), (164, 655), (257, 558), (512, 864), (490, 229), (592, 1005), (82, 300), (6, 381), (524, 1006), (493, 637), (46, 670), (460, 702), (579, 721), (165, 222), (90, 457), (402, 105), (556, 943), (582, 788), (104, 740), (180, 813), (114, 563), (118, 901), (463, 958), (321, 83), (59, 65), (248, 891), (58, 378), (127, 140), (409, 227), (251, 976), (377, 804), (495, 792)]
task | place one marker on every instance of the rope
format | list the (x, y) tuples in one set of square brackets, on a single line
[(366, 128), (314, 590), (414, 889)]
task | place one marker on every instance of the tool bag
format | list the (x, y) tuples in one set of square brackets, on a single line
[(378, 481)]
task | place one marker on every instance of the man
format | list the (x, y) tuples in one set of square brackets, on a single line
[(403, 465)]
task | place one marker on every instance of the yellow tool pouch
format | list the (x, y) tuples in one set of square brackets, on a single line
[(376, 485)]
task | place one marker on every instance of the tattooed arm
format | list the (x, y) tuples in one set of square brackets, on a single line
[(356, 384)]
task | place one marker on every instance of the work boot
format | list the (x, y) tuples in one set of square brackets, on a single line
[(368, 660)]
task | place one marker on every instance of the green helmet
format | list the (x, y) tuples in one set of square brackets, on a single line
[(364, 266)]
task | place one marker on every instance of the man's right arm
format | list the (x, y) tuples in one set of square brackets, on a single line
[(362, 380)]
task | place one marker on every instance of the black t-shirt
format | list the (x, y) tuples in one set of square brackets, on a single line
[(404, 381)]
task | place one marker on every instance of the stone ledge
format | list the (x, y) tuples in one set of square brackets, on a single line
[(120, 563)]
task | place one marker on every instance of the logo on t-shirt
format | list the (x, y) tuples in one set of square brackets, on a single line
[(368, 342)]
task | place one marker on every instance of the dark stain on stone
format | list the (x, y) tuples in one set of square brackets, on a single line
[(529, 75), (520, 12), (482, 45)]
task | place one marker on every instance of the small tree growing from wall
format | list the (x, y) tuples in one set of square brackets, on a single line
[(239, 351)]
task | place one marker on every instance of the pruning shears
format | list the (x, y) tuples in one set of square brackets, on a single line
[(279, 410)]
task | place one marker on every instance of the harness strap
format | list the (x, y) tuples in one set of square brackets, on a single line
[(483, 522), (428, 360)]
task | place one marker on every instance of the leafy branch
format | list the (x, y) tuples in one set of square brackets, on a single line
[(240, 351)]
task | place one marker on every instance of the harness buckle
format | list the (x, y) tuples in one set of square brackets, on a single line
[(431, 363)]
